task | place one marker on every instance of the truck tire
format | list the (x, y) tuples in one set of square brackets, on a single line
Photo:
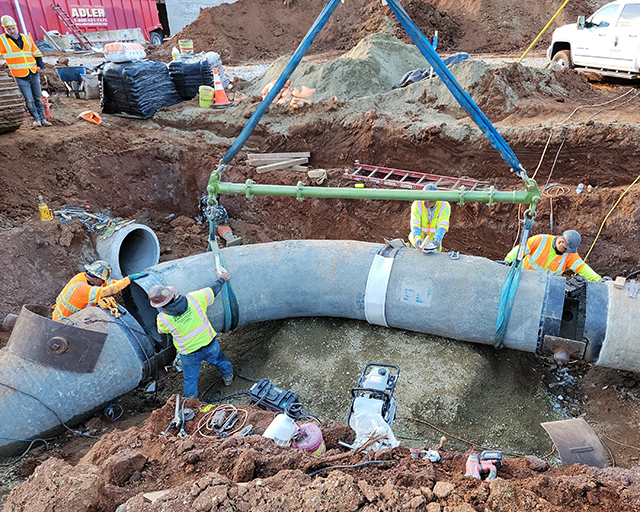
[(156, 37), (563, 59)]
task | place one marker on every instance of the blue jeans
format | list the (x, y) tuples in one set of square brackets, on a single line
[(32, 92), (191, 366)]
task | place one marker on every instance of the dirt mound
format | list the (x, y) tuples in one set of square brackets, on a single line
[(250, 30), (207, 472), (378, 63)]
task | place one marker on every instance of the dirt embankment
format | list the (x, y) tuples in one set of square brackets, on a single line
[(139, 470)]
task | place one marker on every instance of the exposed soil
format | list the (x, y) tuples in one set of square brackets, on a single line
[(155, 171)]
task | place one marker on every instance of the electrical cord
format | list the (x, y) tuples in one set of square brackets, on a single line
[(206, 426), (110, 412), (31, 441), (77, 432), (607, 216)]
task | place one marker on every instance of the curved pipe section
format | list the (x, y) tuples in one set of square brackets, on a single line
[(130, 249), (125, 360), (426, 293)]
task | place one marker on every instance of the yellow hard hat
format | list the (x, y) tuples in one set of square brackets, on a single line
[(8, 21)]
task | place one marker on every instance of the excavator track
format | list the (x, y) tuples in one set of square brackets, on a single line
[(12, 107)]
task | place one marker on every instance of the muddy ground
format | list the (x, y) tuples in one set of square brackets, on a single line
[(564, 127)]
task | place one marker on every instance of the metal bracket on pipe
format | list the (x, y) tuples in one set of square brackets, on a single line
[(375, 293), (563, 349)]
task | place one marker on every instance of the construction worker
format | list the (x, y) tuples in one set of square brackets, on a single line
[(185, 318), (429, 223), (24, 58), (88, 288), (555, 254)]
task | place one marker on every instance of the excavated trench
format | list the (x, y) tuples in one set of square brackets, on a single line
[(156, 172)]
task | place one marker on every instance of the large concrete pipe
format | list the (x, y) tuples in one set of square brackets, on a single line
[(456, 298), (63, 371), (130, 249)]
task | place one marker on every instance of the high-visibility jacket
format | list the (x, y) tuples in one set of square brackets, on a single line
[(79, 294), (423, 227), (191, 330), (20, 62), (540, 255)]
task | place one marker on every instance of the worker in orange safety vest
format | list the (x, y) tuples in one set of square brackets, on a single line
[(24, 58), (429, 223), (555, 254), (88, 288)]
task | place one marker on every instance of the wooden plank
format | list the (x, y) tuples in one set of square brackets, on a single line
[(278, 156), (259, 162), (281, 165)]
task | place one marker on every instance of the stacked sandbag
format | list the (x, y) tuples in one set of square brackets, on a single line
[(188, 74), (137, 88)]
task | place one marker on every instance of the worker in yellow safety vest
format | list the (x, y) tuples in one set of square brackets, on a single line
[(88, 288), (429, 223), (555, 254), (24, 58), (185, 318)]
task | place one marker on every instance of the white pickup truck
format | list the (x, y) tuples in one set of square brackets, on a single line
[(608, 42)]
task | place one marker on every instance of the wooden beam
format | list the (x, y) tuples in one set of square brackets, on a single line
[(278, 156), (281, 165)]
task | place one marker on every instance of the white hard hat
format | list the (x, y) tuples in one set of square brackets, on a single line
[(8, 21)]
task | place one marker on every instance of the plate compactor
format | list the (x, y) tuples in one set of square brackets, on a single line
[(374, 392)]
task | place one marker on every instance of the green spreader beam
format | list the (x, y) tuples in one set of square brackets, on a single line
[(530, 196)]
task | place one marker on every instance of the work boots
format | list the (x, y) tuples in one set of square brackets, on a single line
[(227, 379), (45, 123)]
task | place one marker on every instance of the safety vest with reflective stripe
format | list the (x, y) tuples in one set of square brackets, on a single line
[(79, 294), (422, 226), (20, 62), (540, 255), (191, 330)]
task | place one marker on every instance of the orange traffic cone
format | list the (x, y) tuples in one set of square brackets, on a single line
[(91, 116), (221, 100)]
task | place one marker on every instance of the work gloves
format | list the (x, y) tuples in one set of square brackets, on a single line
[(431, 246), (138, 275), (427, 245)]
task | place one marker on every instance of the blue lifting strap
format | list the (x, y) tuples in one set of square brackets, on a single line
[(510, 287), (461, 96), (315, 29), (229, 300)]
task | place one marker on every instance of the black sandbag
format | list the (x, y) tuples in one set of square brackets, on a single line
[(188, 76), (137, 88)]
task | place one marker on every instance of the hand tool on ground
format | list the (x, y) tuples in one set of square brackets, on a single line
[(490, 461), (473, 466), (175, 422), (246, 431), (186, 414), (229, 423)]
